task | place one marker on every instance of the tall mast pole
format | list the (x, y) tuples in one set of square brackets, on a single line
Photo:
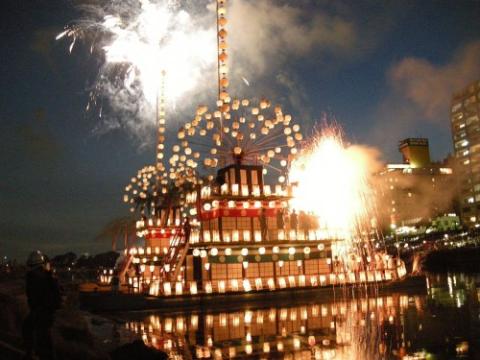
[(222, 51), (223, 97), (160, 167)]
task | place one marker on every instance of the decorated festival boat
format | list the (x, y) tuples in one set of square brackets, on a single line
[(224, 217), (244, 238)]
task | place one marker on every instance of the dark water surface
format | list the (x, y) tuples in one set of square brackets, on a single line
[(439, 322)]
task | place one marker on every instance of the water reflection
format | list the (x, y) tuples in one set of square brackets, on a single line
[(445, 322)]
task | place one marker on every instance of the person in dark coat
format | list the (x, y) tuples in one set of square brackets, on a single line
[(187, 229), (294, 221), (263, 224), (44, 298), (280, 222), (304, 223), (314, 221)]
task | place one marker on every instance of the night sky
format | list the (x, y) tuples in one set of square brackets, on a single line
[(384, 70)]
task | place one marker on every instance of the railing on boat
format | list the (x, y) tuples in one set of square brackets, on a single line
[(174, 258)]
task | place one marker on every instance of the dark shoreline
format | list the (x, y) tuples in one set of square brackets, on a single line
[(457, 260)]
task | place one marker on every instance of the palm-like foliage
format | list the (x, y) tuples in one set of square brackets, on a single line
[(118, 228)]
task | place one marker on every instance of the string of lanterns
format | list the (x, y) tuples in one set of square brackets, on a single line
[(247, 134)]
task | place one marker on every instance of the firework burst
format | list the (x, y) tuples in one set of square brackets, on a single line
[(333, 182), (139, 40)]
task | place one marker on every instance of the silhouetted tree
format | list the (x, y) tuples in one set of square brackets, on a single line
[(122, 228)]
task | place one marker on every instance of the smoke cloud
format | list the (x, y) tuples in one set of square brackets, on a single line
[(430, 87), (263, 38), (267, 33), (415, 198), (419, 95)]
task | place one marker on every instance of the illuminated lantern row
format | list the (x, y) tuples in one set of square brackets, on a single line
[(261, 251), (149, 188), (222, 51), (143, 187), (105, 276), (153, 184), (208, 192), (160, 167), (148, 259), (272, 284), (244, 134)]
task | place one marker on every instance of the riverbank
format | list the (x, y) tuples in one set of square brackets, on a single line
[(461, 259), (77, 334)]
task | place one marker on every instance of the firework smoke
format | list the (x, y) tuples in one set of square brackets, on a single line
[(138, 40)]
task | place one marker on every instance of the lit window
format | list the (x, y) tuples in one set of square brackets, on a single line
[(471, 200), (456, 107)]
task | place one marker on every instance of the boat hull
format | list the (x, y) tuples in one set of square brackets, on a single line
[(107, 301)]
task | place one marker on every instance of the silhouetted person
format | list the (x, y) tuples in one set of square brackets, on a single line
[(304, 223), (314, 221), (43, 295), (294, 221), (187, 229), (280, 222), (314, 224), (263, 224)]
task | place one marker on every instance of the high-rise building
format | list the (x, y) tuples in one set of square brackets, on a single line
[(416, 191), (465, 114), (415, 152)]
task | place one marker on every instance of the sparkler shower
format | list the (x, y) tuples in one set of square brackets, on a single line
[(333, 183), (139, 40)]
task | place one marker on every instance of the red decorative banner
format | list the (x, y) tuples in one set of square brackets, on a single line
[(237, 212)]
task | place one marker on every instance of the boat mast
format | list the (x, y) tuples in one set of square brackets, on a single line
[(160, 115), (222, 67)]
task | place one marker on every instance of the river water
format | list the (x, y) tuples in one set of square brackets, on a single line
[(441, 321)]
